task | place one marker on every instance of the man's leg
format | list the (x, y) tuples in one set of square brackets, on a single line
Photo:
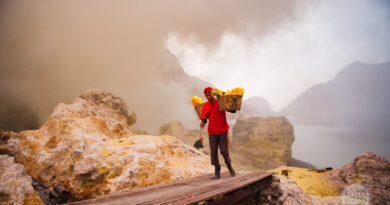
[(223, 145), (213, 141)]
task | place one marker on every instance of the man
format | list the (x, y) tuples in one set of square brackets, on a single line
[(218, 132)]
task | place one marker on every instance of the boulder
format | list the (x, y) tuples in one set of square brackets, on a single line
[(174, 128), (262, 143), (87, 147), (370, 170), (15, 185)]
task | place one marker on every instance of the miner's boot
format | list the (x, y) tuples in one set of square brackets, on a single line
[(217, 174), (231, 170)]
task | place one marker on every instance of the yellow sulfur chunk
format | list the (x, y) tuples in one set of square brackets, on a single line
[(216, 92), (196, 101), (235, 91)]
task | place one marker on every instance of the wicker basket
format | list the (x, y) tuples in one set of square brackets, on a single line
[(229, 102), (198, 110)]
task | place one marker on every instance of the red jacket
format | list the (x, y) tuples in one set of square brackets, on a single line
[(217, 119)]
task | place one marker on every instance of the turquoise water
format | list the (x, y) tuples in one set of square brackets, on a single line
[(331, 146)]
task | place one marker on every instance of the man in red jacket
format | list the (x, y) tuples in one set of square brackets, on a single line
[(218, 129)]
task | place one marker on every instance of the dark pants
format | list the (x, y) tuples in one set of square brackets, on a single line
[(221, 141)]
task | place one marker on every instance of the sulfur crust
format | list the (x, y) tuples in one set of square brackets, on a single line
[(310, 181)]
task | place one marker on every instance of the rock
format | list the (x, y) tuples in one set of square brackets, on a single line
[(139, 131), (174, 128), (370, 170), (285, 191), (189, 137), (15, 184), (88, 148), (53, 195), (263, 143)]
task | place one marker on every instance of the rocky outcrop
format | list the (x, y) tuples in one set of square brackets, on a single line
[(174, 128), (263, 143), (88, 148), (15, 185), (371, 171), (365, 180), (285, 191)]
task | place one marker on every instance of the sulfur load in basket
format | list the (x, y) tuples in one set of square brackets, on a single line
[(197, 102), (230, 100)]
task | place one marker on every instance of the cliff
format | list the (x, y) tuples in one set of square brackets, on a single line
[(88, 148)]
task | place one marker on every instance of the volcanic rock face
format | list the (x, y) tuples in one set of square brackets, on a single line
[(371, 171), (264, 143), (88, 148), (15, 184)]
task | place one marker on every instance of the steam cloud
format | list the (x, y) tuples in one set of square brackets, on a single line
[(52, 51), (311, 48)]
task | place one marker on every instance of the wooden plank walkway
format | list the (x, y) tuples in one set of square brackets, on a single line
[(204, 190)]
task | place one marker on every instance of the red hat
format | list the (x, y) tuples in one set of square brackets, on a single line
[(207, 90)]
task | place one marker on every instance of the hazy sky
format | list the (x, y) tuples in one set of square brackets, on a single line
[(52, 51), (312, 47)]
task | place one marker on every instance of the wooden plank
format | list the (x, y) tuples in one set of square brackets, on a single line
[(238, 195), (184, 192), (206, 186), (198, 197), (208, 192), (140, 190)]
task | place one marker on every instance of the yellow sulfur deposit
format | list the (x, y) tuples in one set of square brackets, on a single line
[(310, 181), (196, 101), (235, 91), (217, 92)]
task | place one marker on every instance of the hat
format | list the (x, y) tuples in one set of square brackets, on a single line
[(207, 90)]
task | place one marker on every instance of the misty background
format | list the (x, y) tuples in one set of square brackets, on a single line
[(324, 64), (52, 51), (312, 46)]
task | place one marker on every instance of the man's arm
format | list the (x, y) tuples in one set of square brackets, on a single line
[(203, 121)]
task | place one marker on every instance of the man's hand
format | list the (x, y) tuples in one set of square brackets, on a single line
[(201, 124)]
